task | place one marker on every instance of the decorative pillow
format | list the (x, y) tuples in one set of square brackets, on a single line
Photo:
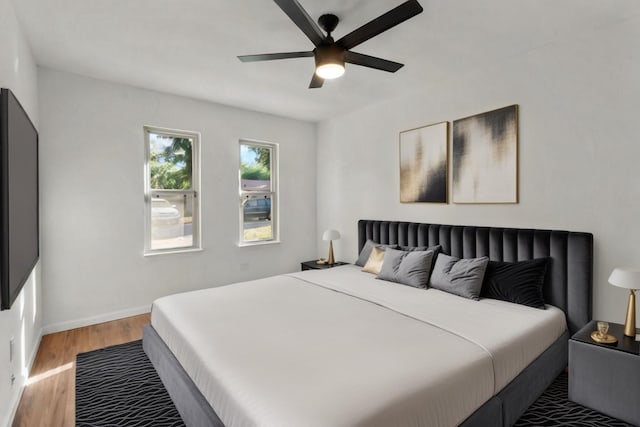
[(436, 250), (462, 277), (366, 251), (407, 267), (374, 263), (518, 282)]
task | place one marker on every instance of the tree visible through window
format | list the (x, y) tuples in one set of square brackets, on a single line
[(258, 191), (171, 193), (171, 162)]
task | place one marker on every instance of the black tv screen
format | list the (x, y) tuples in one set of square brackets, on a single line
[(19, 220)]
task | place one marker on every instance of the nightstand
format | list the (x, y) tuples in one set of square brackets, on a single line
[(606, 377), (311, 265)]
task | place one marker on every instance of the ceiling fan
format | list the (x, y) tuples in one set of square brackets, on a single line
[(331, 55)]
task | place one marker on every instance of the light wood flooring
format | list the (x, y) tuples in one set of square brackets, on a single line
[(49, 398)]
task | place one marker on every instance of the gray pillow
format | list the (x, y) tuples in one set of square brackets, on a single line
[(366, 251), (462, 277), (435, 248), (407, 267)]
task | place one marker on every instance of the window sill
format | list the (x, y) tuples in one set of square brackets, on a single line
[(173, 252), (266, 242)]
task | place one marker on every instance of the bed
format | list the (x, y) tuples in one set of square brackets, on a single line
[(339, 347)]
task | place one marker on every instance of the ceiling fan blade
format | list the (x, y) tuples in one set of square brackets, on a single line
[(316, 82), (273, 56), (382, 23), (371, 62), (302, 19)]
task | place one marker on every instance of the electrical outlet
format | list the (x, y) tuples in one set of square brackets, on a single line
[(11, 350)]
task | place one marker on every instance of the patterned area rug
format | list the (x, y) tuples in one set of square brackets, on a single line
[(118, 386), (554, 408)]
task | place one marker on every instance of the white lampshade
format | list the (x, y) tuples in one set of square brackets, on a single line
[(331, 235), (625, 277)]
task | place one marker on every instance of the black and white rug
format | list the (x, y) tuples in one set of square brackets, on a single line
[(118, 386)]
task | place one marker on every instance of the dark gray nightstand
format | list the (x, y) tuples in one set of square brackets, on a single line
[(311, 265), (606, 377)]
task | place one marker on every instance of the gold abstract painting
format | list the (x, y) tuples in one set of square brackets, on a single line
[(485, 157), (423, 164)]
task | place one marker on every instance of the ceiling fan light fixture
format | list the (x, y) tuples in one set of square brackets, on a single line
[(330, 55), (330, 71), (329, 62)]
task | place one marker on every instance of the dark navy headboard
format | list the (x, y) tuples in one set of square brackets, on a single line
[(570, 276)]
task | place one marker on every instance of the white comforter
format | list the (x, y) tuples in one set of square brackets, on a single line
[(340, 348)]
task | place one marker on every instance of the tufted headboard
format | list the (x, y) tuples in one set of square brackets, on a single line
[(569, 279)]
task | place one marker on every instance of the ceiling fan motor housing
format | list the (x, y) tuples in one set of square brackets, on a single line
[(329, 54)]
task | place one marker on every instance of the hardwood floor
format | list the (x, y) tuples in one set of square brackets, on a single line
[(49, 398)]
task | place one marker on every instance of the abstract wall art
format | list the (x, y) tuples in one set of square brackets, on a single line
[(423, 164), (485, 157)]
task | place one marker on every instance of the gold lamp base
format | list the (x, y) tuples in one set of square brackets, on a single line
[(331, 260), (630, 323)]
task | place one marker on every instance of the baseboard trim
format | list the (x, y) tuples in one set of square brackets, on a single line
[(93, 320), (32, 359), (8, 422)]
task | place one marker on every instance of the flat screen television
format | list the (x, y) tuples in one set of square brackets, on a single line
[(19, 221)]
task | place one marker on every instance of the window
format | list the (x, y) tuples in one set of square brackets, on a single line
[(258, 192), (172, 182)]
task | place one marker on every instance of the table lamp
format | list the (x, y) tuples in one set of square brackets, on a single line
[(331, 235), (629, 278)]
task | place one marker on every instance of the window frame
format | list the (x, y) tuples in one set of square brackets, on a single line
[(194, 191), (273, 193)]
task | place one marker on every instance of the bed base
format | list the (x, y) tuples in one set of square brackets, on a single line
[(502, 410), (507, 407), (190, 403)]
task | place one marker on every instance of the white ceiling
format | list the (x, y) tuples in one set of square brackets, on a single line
[(189, 47)]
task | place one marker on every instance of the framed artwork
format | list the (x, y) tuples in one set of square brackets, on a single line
[(423, 164), (485, 157)]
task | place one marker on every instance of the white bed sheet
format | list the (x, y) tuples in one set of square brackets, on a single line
[(515, 335), (284, 351)]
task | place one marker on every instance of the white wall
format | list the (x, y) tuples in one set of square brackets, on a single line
[(92, 157), (23, 322), (579, 101)]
